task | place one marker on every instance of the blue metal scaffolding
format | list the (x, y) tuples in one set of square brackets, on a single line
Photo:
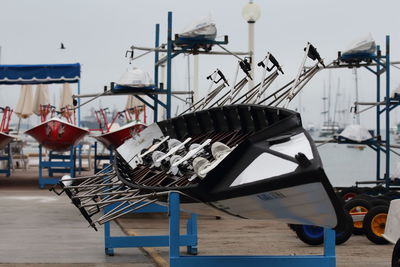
[(382, 66), (57, 163), (99, 157), (176, 260), (6, 157), (189, 239)]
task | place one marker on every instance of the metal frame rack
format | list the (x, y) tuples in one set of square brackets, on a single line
[(382, 65), (176, 260), (57, 163), (98, 157), (7, 158), (189, 239)]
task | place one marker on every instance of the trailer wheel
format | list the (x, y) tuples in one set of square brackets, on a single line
[(374, 224), (349, 193), (314, 235), (343, 236), (310, 234), (353, 207), (379, 202), (396, 255)]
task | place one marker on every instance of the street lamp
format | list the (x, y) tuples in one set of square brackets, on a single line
[(251, 12)]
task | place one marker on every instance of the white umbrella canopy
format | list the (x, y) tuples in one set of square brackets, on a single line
[(41, 98), (66, 97), (24, 107), (132, 102), (356, 133)]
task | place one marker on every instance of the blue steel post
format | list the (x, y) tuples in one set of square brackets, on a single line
[(156, 58), (329, 243), (40, 168), (169, 59), (387, 105), (174, 210), (79, 124), (378, 114)]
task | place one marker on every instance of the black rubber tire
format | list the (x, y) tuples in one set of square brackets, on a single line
[(347, 192), (392, 195), (345, 234), (363, 196), (368, 221), (396, 255), (293, 227), (318, 239), (351, 204), (379, 190), (378, 202)]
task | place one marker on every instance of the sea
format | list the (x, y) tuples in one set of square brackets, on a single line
[(346, 165)]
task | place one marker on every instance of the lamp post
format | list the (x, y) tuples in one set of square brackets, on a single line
[(251, 12)]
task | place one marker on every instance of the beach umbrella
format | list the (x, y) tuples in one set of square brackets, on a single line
[(132, 102), (66, 99), (41, 98), (24, 107)]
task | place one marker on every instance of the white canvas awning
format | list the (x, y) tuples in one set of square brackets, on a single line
[(24, 107), (356, 133), (41, 98)]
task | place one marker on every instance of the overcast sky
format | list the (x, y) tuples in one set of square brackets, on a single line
[(97, 34)]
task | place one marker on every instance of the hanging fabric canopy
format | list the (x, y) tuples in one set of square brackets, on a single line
[(66, 97), (132, 102), (41, 98), (24, 107), (40, 74)]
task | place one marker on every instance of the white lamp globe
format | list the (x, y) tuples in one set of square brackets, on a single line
[(251, 12)]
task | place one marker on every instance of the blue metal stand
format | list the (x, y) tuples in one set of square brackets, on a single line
[(97, 157), (57, 163), (189, 240), (6, 158), (176, 260)]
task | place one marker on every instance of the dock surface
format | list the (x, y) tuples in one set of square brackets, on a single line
[(40, 229)]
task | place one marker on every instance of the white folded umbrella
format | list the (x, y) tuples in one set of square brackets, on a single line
[(24, 107), (41, 98)]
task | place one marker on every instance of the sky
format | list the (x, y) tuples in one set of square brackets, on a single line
[(96, 33)]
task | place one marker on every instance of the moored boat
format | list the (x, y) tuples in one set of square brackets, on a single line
[(256, 162), (57, 135), (117, 137)]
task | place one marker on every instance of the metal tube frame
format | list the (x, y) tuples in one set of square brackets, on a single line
[(176, 260)]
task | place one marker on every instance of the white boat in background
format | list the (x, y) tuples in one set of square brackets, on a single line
[(360, 49), (135, 77), (356, 133), (203, 28), (329, 129)]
